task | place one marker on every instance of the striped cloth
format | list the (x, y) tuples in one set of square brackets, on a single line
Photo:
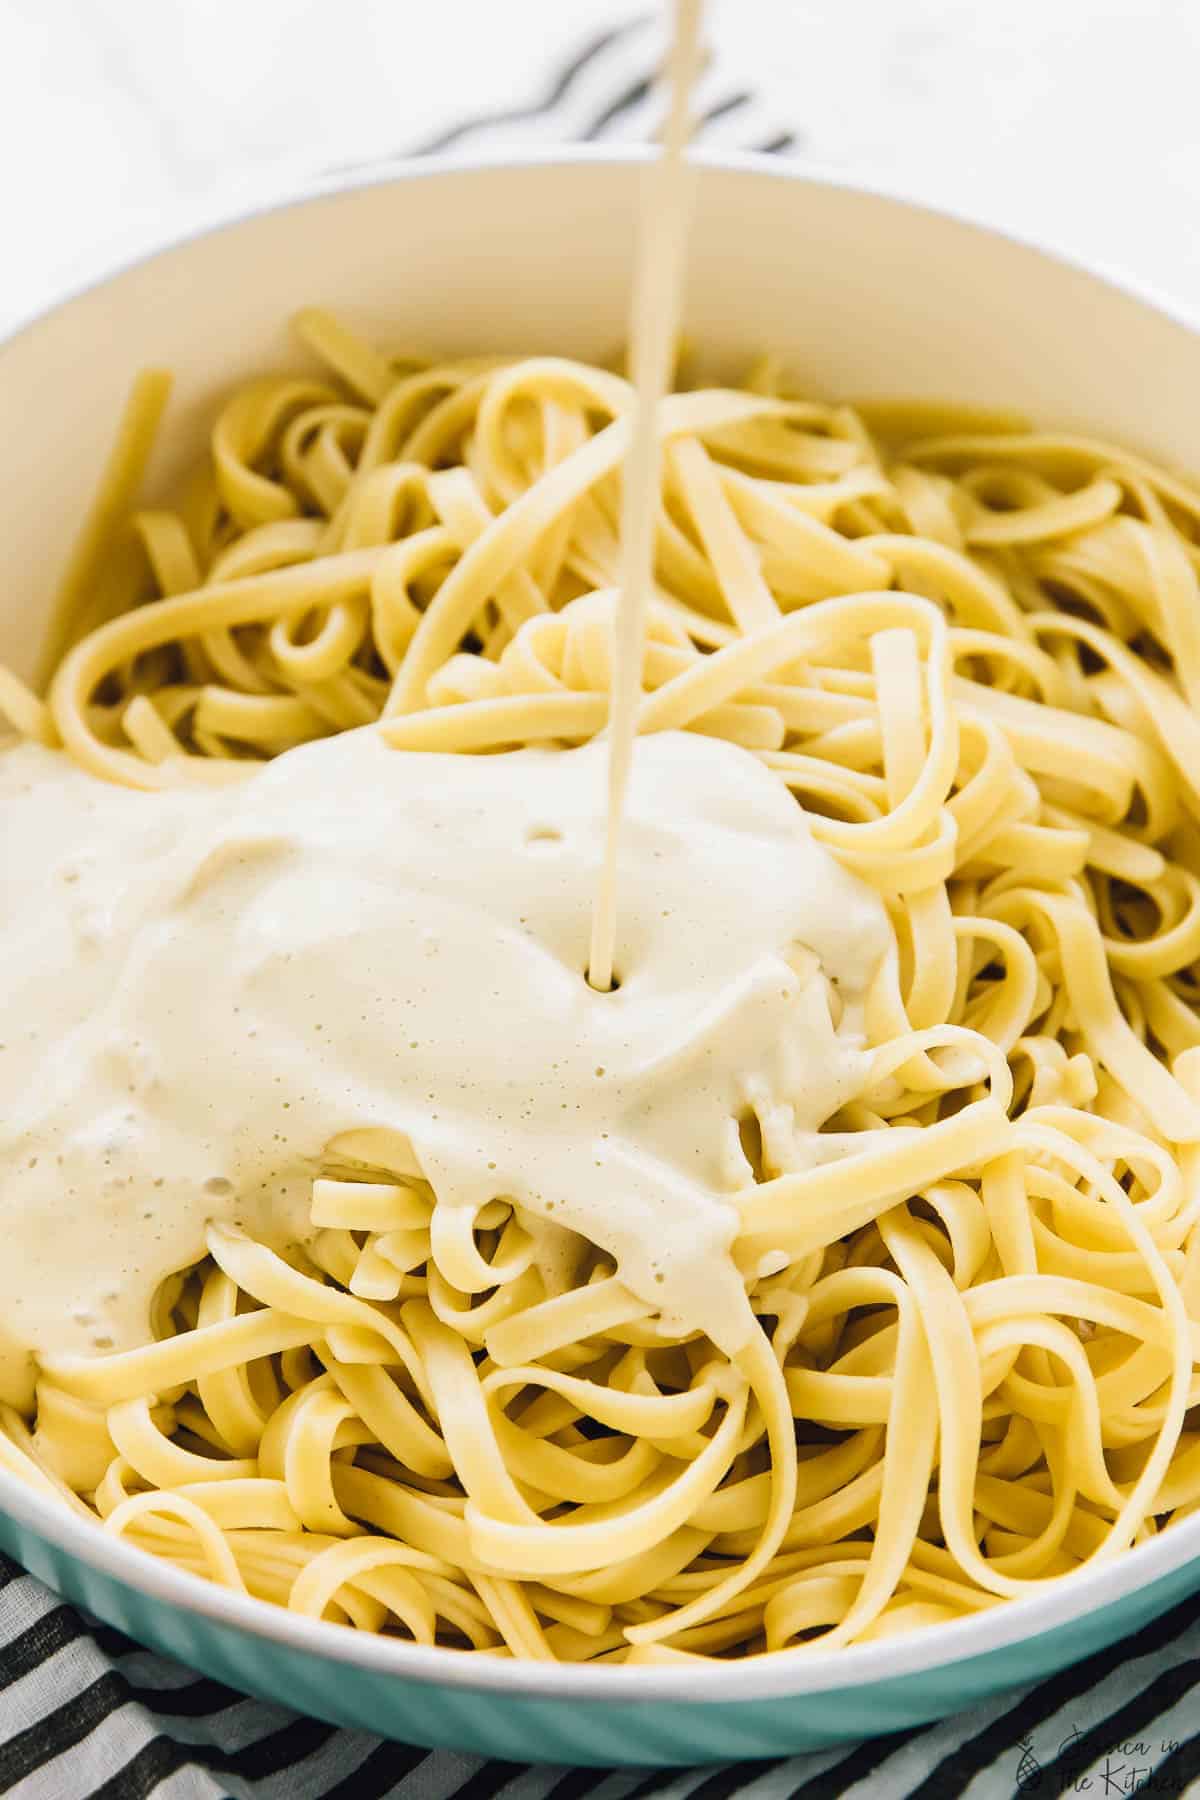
[(85, 1714)]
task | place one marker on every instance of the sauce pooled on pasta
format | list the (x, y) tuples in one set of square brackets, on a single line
[(202, 991)]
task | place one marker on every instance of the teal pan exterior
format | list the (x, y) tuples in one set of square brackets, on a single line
[(522, 1726)]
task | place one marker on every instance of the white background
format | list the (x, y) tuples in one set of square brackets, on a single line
[(122, 120)]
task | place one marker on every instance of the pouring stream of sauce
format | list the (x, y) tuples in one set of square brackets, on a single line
[(656, 299)]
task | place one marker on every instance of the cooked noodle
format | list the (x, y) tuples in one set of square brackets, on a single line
[(972, 652)]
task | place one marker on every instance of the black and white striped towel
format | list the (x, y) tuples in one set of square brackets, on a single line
[(87, 1715)]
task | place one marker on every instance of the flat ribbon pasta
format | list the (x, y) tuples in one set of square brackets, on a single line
[(970, 651)]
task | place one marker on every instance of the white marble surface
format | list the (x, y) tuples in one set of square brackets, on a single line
[(124, 120)]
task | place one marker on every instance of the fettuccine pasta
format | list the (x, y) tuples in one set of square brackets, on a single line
[(971, 651)]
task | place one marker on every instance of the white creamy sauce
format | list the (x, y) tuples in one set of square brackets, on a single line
[(199, 990)]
